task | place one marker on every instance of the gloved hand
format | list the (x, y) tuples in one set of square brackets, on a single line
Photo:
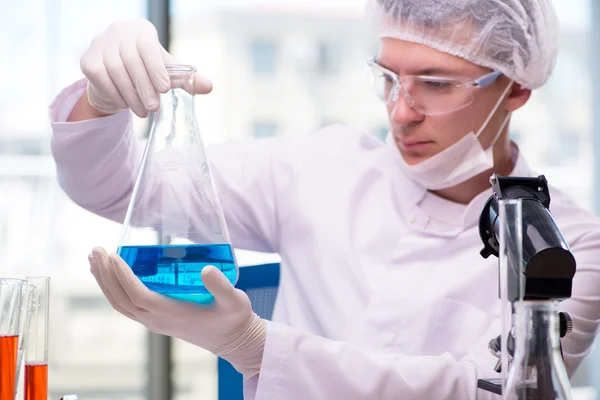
[(125, 67), (229, 328)]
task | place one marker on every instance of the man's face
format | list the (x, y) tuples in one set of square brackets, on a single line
[(419, 136)]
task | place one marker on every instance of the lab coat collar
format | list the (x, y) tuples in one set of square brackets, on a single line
[(412, 194), (473, 211)]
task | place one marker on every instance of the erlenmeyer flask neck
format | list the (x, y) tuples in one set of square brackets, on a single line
[(176, 112), (538, 370), (182, 77)]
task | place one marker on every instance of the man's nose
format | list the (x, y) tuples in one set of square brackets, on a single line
[(402, 113)]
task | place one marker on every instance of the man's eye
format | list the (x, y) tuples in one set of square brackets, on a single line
[(438, 84)]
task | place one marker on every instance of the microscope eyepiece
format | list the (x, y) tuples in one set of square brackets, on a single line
[(547, 261)]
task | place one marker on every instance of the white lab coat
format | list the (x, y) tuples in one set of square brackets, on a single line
[(383, 293)]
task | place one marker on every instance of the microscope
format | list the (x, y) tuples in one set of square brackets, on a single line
[(547, 266)]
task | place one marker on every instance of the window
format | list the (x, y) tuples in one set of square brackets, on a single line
[(515, 136), (264, 129), (564, 150), (42, 232), (24, 146), (570, 147), (264, 57), (329, 58), (382, 132), (262, 45)]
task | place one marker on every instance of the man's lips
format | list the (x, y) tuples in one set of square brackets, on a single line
[(413, 145)]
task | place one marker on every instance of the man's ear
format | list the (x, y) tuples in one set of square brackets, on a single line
[(517, 97)]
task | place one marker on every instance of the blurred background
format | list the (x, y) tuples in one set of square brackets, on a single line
[(281, 68)]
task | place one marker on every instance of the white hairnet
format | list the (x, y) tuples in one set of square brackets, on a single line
[(517, 37)]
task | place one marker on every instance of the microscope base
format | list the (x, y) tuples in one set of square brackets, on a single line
[(490, 385)]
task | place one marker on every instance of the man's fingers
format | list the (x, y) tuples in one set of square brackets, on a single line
[(218, 285), (119, 75), (97, 259), (202, 85), (167, 58), (109, 276), (135, 289), (139, 75), (150, 51)]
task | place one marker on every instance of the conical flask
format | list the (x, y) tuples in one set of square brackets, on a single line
[(537, 371), (174, 225)]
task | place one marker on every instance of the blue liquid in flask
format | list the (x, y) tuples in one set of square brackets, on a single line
[(174, 270)]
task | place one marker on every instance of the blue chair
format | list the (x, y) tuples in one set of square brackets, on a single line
[(260, 282)]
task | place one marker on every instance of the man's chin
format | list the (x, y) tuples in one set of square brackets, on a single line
[(413, 158)]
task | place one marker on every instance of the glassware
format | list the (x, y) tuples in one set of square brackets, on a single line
[(428, 95), (10, 314), (537, 371), (174, 225), (36, 351), (27, 292)]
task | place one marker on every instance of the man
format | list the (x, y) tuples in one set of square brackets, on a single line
[(383, 293)]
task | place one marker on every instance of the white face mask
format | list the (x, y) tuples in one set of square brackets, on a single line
[(459, 162)]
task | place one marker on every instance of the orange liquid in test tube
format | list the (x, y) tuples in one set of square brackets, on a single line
[(8, 366), (36, 382)]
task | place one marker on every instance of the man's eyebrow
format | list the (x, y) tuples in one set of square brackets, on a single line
[(428, 71)]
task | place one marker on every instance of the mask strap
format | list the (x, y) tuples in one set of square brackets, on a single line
[(491, 114), (500, 130)]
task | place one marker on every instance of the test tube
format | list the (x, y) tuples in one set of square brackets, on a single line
[(10, 309), (36, 350), (27, 292)]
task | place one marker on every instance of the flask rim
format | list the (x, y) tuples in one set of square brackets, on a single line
[(11, 281), (181, 68)]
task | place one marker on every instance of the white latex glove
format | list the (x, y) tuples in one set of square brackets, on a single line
[(125, 67), (228, 328)]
